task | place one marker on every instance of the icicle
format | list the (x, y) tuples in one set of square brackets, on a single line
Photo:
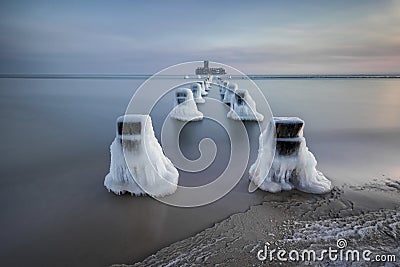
[(293, 166)]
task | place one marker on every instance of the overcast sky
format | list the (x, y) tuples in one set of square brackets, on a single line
[(145, 36)]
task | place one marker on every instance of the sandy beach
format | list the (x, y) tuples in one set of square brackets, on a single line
[(297, 221)]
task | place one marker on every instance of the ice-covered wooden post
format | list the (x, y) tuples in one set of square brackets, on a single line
[(196, 90), (288, 132), (229, 93), (138, 164), (222, 89), (185, 108), (243, 107), (203, 88), (293, 165)]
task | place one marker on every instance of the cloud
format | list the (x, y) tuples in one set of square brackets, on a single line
[(264, 37)]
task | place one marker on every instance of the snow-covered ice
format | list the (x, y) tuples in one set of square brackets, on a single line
[(293, 165), (185, 108), (143, 168), (196, 90), (243, 107)]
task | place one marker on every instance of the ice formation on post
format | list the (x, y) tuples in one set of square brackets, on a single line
[(208, 82), (243, 107), (229, 92), (203, 88), (222, 89), (138, 164), (196, 90), (293, 166), (185, 108)]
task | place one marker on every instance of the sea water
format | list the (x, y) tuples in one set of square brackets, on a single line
[(55, 153)]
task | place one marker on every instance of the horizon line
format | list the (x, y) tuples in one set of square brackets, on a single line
[(254, 76)]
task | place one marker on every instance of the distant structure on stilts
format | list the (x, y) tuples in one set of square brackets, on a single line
[(206, 70)]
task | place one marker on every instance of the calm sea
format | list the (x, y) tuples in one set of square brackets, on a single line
[(55, 139)]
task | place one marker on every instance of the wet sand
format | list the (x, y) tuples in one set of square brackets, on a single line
[(297, 221)]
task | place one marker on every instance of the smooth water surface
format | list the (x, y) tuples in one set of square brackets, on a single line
[(55, 153)]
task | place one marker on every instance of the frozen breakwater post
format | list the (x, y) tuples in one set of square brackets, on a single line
[(293, 165), (196, 90), (243, 107), (185, 108), (203, 88), (222, 89), (138, 164), (229, 92), (288, 132)]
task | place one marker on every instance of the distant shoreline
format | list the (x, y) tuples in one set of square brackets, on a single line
[(251, 76)]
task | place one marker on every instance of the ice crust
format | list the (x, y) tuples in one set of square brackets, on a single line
[(186, 110), (243, 107), (286, 172), (144, 169)]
